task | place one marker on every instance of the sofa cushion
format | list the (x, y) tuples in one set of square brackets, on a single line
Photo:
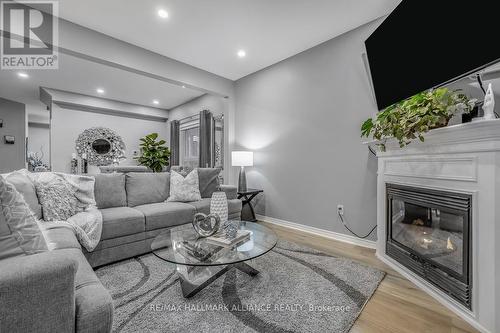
[(61, 238), (110, 190), (147, 187), (202, 206), (234, 206), (209, 181), (121, 221), (25, 186), (94, 305), (20, 233), (162, 215)]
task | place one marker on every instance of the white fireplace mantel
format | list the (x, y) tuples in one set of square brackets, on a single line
[(463, 158)]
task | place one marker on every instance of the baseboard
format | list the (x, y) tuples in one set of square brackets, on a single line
[(319, 232), (455, 307)]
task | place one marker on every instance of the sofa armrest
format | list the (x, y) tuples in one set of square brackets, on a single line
[(230, 190), (37, 293)]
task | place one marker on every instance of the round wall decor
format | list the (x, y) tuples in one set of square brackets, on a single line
[(100, 145)]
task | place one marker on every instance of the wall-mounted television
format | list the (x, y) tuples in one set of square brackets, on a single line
[(425, 44)]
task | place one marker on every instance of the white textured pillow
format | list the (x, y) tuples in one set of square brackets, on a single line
[(184, 189), (57, 198), (19, 230)]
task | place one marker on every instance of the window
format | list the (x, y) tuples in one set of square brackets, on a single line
[(190, 144)]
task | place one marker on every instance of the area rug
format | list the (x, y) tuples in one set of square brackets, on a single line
[(298, 290)]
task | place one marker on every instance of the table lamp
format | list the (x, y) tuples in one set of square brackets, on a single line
[(242, 159)]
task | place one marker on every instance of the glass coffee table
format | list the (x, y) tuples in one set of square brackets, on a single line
[(200, 262)]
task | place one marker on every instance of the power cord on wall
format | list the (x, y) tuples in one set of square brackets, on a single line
[(341, 215)]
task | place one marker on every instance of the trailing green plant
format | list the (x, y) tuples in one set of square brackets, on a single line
[(409, 119), (154, 154)]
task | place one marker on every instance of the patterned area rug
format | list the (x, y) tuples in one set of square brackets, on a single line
[(298, 290)]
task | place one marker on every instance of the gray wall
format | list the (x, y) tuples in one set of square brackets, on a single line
[(12, 157), (39, 140), (215, 104), (302, 119), (67, 124)]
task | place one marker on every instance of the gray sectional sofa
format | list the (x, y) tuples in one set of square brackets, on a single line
[(134, 211), (58, 291)]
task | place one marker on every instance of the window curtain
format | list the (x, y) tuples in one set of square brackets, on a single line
[(206, 125), (174, 142)]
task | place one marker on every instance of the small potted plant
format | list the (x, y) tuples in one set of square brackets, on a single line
[(154, 154), (409, 119)]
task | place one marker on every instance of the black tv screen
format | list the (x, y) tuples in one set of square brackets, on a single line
[(426, 44)]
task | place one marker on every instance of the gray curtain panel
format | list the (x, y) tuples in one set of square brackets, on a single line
[(206, 124), (174, 142)]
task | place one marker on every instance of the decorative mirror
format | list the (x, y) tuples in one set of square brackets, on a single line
[(100, 145)]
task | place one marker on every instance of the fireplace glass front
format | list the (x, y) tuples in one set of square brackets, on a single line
[(429, 232)]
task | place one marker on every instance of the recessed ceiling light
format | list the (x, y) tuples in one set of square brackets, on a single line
[(23, 75), (100, 90), (156, 102), (162, 13), (241, 53), (183, 86)]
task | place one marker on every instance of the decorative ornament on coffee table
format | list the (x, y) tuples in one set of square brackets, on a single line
[(206, 225), (100, 145), (230, 229), (218, 205)]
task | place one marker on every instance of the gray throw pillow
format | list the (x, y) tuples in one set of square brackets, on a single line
[(147, 187), (26, 188), (109, 190), (58, 199), (209, 181), (184, 189), (20, 233)]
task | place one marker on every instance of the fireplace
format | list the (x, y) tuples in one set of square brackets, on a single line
[(429, 232)]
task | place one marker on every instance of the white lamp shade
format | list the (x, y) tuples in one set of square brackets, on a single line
[(242, 158)]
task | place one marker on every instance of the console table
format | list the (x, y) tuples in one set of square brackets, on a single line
[(247, 212)]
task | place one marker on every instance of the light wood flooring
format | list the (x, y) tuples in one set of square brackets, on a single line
[(397, 305)]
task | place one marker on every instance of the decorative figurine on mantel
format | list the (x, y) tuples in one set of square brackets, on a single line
[(489, 104)]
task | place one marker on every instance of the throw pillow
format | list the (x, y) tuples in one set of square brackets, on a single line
[(26, 188), (58, 199), (109, 190), (184, 189), (147, 187), (20, 233), (209, 181)]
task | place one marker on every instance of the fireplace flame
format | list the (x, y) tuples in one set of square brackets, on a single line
[(449, 245)]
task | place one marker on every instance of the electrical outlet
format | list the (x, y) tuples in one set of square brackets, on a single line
[(340, 209)]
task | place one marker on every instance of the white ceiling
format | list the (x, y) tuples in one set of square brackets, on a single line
[(84, 77), (208, 34)]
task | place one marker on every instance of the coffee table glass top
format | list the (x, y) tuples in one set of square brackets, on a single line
[(183, 246)]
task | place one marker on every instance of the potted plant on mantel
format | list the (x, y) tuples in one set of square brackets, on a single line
[(155, 155), (409, 119)]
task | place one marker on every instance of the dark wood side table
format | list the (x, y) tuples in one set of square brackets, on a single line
[(247, 212)]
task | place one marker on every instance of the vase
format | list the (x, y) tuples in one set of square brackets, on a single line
[(218, 205)]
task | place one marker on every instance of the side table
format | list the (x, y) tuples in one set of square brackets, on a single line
[(247, 212)]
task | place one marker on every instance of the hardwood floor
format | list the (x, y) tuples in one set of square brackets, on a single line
[(397, 305)]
